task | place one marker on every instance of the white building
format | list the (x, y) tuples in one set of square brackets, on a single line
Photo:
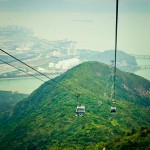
[(51, 65), (67, 64), (40, 69)]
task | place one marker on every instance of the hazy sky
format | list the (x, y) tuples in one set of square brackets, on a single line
[(89, 22)]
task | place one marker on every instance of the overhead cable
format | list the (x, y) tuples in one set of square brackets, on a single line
[(21, 70), (67, 89), (25, 64), (116, 36)]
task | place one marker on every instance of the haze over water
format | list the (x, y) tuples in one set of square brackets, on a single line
[(91, 23)]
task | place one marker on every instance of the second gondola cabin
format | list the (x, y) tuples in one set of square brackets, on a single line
[(100, 103), (113, 109), (80, 110)]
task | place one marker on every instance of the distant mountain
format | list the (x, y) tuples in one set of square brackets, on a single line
[(125, 62), (46, 119)]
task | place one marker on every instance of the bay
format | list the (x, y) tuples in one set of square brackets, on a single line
[(21, 85), (143, 72)]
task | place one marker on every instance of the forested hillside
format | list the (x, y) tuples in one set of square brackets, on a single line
[(135, 140), (8, 100), (46, 119)]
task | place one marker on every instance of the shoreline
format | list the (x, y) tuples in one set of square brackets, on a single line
[(17, 78)]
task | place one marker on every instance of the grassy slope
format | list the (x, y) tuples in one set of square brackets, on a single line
[(46, 119)]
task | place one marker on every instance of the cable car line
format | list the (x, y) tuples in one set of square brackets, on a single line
[(67, 89), (116, 36), (21, 70), (113, 108), (36, 77), (25, 63), (79, 110)]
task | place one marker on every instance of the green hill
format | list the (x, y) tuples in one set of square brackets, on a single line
[(46, 119)]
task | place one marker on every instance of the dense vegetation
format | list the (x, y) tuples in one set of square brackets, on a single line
[(8, 100), (136, 140), (46, 119)]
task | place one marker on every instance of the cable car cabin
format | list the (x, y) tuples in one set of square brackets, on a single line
[(113, 101), (80, 110), (100, 103), (113, 109)]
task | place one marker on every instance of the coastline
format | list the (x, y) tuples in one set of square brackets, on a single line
[(16, 78)]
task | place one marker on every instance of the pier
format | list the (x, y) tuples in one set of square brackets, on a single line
[(141, 56), (145, 67)]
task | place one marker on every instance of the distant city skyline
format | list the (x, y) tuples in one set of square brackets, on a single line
[(91, 23)]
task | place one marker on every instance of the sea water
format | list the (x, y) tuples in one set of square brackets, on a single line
[(21, 85), (143, 72)]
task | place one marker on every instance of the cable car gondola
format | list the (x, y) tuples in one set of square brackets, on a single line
[(100, 103), (113, 110), (114, 101), (80, 110)]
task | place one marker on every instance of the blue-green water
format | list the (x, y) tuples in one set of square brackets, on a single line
[(143, 72), (28, 85), (23, 85)]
